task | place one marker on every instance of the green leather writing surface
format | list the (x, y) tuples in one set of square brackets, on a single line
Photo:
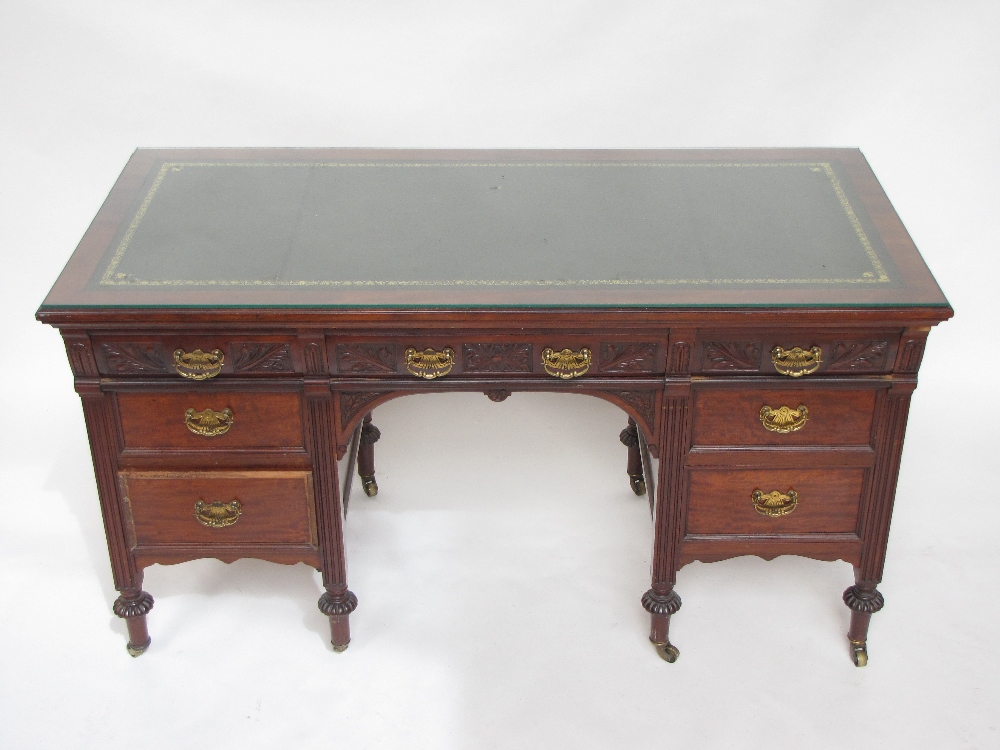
[(330, 224)]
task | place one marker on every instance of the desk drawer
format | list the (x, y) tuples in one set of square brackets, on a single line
[(725, 416), (211, 420), (797, 354), (223, 507), (805, 501), (196, 357), (556, 355)]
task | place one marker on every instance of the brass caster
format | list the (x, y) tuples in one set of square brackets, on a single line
[(370, 487), (638, 485), (340, 649), (859, 653), (667, 652), (135, 651)]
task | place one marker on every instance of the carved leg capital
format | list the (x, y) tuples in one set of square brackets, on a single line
[(661, 604), (862, 599), (338, 604), (370, 434), (133, 607)]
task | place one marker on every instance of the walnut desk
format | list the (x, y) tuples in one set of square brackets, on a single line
[(232, 317)]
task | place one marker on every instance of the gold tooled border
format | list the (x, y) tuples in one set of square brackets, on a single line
[(111, 278)]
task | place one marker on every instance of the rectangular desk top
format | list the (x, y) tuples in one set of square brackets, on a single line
[(350, 228)]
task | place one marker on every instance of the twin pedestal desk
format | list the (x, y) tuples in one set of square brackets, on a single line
[(232, 318)]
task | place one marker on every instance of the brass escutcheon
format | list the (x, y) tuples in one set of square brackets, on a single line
[(783, 420), (429, 364), (796, 362), (209, 423), (567, 363), (198, 365), (775, 504), (218, 515)]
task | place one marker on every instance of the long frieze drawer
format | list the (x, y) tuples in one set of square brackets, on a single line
[(774, 501), (560, 356), (211, 420), (196, 357), (796, 355), (793, 417), (224, 507)]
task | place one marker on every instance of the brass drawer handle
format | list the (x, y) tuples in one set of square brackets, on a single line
[(209, 423), (796, 362), (198, 365), (784, 420), (429, 364), (567, 363), (775, 504), (218, 515)]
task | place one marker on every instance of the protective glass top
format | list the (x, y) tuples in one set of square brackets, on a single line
[(355, 228)]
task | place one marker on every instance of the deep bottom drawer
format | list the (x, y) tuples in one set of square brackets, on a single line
[(825, 501), (219, 507)]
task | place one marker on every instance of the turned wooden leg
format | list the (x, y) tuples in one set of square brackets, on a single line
[(338, 607), (133, 606), (660, 606), (366, 456), (630, 438), (864, 600)]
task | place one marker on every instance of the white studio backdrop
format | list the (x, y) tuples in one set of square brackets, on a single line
[(499, 570)]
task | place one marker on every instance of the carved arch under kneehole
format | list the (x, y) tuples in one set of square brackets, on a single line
[(642, 406)]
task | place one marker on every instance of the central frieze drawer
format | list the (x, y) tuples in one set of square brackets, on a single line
[(558, 355), (211, 420), (782, 416), (723, 501), (220, 507)]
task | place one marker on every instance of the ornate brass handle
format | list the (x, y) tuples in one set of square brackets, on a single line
[(783, 420), (567, 363), (429, 364), (209, 423), (198, 365), (796, 362), (775, 504), (218, 515)]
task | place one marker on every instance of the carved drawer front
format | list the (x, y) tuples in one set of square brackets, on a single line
[(797, 354), (219, 508), (560, 356), (211, 420), (774, 501), (196, 357), (782, 416)]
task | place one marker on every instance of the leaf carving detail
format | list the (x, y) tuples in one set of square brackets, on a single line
[(262, 358), (366, 358), (351, 402), (858, 355), (134, 359), (732, 355), (631, 357), (644, 403), (497, 357)]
